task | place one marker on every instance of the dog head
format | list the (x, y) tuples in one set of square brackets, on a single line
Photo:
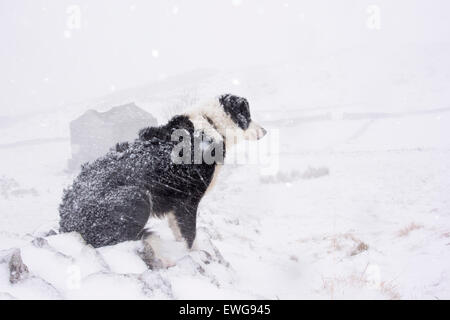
[(236, 119)]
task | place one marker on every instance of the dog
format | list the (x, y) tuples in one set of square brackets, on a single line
[(112, 198)]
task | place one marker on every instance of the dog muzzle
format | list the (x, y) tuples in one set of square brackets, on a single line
[(255, 131)]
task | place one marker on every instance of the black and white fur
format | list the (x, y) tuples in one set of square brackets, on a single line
[(112, 198)]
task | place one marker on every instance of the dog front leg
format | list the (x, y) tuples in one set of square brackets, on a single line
[(186, 219), (173, 224)]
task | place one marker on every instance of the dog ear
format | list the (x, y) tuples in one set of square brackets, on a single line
[(237, 108)]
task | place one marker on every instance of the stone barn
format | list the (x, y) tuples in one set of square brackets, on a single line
[(94, 133)]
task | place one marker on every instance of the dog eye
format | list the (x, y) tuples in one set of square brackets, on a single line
[(245, 109), (243, 106)]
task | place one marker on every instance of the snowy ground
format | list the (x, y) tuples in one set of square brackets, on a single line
[(358, 209)]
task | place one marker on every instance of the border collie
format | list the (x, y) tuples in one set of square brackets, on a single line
[(112, 198)]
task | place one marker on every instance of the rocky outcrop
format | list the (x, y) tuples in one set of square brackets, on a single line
[(17, 269), (94, 133)]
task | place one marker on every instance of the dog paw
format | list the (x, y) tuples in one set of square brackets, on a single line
[(159, 253)]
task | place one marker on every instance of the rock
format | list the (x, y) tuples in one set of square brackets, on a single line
[(190, 266), (210, 253), (94, 133), (46, 229), (9, 187), (155, 284), (40, 242), (51, 233), (17, 269), (6, 296)]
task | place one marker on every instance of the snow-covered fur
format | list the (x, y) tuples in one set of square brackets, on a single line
[(112, 198)]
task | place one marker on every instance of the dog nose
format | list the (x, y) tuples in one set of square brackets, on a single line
[(262, 132)]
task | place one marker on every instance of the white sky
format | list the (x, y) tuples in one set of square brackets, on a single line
[(127, 43)]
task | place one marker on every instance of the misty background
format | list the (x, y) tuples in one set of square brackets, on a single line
[(49, 60), (354, 95)]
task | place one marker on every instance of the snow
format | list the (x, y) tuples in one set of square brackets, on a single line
[(359, 207)]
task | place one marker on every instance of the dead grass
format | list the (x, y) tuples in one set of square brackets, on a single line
[(359, 280), (411, 227), (361, 247), (341, 241)]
